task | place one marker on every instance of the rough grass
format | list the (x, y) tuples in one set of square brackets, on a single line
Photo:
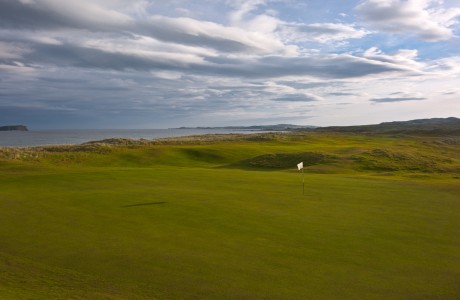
[(177, 220), (342, 152), (390, 160), (285, 160)]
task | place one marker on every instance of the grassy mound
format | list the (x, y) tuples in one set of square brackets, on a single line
[(285, 160), (324, 152), (390, 160)]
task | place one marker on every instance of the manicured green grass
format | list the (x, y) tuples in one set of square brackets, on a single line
[(172, 222)]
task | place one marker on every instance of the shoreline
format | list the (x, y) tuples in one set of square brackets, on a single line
[(78, 137)]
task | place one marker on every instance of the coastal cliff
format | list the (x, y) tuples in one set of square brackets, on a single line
[(14, 128)]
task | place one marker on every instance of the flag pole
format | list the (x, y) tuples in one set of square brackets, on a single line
[(300, 167), (303, 183)]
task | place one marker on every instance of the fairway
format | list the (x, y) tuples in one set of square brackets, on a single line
[(206, 231)]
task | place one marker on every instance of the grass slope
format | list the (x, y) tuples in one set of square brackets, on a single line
[(193, 220)]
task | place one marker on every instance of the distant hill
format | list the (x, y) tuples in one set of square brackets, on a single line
[(277, 127), (14, 128), (424, 121), (435, 126)]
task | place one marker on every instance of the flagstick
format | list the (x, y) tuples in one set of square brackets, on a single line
[(303, 183), (300, 167)]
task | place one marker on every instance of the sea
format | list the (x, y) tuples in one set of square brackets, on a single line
[(66, 137)]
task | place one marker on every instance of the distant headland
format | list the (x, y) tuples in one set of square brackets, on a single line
[(14, 128)]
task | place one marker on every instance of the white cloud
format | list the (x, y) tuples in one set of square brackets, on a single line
[(448, 66), (290, 32), (112, 18), (402, 57), (150, 49), (423, 18), (242, 9), (320, 32), (209, 34)]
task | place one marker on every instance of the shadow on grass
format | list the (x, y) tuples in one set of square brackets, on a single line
[(144, 204)]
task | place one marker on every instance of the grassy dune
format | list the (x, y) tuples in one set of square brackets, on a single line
[(223, 217)]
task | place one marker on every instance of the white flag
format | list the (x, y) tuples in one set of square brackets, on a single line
[(300, 166)]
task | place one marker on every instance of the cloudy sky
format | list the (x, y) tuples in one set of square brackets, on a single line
[(171, 63)]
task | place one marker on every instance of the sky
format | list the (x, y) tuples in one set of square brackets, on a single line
[(89, 64)]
